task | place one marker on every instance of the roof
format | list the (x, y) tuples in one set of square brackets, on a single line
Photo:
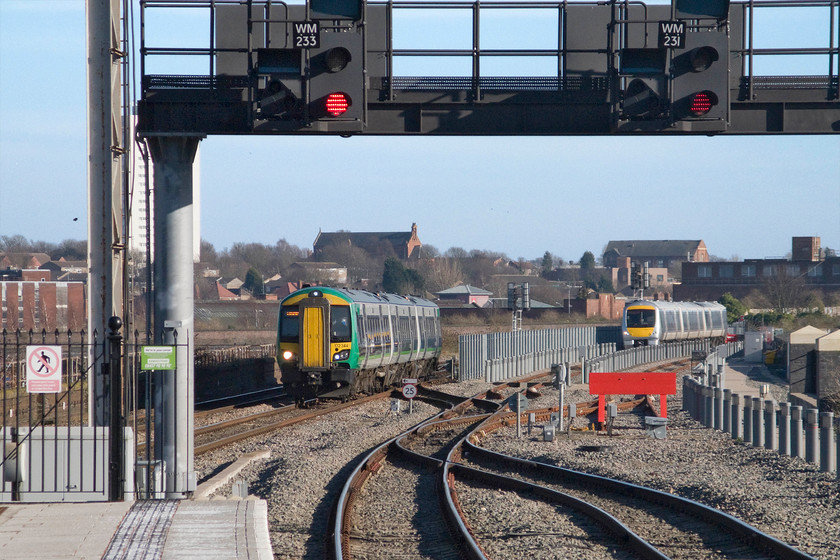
[(464, 289), (372, 242), (662, 248)]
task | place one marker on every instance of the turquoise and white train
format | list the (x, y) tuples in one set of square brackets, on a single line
[(337, 342)]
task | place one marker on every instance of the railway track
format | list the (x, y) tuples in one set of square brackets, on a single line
[(416, 496)]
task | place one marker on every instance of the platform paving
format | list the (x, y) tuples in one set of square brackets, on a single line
[(160, 529)]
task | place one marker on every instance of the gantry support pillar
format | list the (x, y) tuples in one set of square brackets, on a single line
[(173, 295)]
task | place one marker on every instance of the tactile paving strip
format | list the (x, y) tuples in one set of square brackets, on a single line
[(142, 534)]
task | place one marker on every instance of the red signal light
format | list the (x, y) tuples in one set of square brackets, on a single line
[(337, 103), (701, 103)]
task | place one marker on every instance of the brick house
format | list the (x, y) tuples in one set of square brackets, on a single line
[(659, 254)]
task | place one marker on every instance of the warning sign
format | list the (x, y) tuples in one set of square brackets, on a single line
[(43, 369)]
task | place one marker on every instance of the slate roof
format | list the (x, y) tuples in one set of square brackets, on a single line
[(464, 289), (663, 248)]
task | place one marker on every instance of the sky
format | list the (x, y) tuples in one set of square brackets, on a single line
[(744, 196)]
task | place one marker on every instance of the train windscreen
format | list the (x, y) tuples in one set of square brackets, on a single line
[(289, 324), (637, 318), (340, 323)]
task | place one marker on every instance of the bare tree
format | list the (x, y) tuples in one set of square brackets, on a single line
[(441, 273)]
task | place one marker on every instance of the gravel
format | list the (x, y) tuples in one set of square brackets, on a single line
[(784, 497)]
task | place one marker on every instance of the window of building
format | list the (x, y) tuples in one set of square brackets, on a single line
[(815, 270), (835, 269), (748, 270), (704, 271), (768, 270), (726, 271), (792, 270)]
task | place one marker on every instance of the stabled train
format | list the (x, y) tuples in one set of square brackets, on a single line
[(651, 322), (337, 342)]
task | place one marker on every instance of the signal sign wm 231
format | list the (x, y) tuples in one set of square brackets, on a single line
[(671, 35)]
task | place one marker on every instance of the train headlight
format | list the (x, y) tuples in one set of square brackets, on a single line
[(339, 356), (288, 355)]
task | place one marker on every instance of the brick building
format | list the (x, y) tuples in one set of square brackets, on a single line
[(404, 245), (37, 305), (660, 254), (707, 281)]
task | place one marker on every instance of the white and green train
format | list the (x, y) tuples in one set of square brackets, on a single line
[(337, 342)]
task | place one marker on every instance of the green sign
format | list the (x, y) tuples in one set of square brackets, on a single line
[(155, 358)]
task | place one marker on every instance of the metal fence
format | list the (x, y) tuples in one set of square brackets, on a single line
[(51, 451), (226, 355), (498, 356), (633, 357)]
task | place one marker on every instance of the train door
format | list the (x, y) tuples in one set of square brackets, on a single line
[(388, 334), (314, 334)]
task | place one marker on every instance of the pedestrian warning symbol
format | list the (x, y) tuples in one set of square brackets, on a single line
[(43, 369)]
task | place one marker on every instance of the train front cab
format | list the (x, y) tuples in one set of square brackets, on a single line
[(640, 323), (315, 341)]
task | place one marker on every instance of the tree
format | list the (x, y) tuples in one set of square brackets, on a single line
[(442, 273), (14, 244), (587, 261), (734, 308), (254, 282), (547, 264), (400, 280)]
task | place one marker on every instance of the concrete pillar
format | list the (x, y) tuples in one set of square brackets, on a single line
[(771, 440), (827, 443), (757, 424), (812, 436), (727, 411), (797, 449), (748, 419), (718, 408), (173, 294), (784, 428), (737, 417), (708, 407)]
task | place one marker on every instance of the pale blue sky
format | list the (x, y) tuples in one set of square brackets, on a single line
[(744, 196)]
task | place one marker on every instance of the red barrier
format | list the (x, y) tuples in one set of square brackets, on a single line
[(603, 383)]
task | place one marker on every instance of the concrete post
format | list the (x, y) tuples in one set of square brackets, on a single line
[(771, 440), (748, 419), (737, 417), (827, 443), (708, 407), (718, 408), (784, 428), (796, 428), (727, 411), (757, 424), (812, 441)]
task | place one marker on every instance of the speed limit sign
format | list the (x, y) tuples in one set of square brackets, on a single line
[(409, 391)]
